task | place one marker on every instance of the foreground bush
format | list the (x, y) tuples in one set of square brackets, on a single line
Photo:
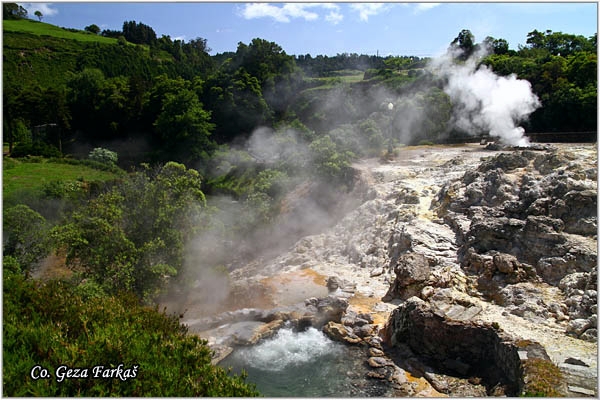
[(133, 350)]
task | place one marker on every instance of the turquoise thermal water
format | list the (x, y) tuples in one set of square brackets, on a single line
[(305, 364)]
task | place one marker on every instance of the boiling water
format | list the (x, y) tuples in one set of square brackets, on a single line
[(305, 364)]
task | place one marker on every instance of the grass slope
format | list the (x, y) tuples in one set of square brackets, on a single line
[(43, 29), (32, 176)]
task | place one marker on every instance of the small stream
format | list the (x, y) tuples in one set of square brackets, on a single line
[(305, 364)]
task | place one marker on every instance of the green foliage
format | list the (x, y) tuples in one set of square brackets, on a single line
[(73, 190), (12, 11), (138, 33), (28, 174), (563, 72), (237, 104), (558, 43), (93, 28), (543, 379), (184, 126), (36, 148), (103, 156), (53, 324), (132, 237), (24, 235), (464, 43), (331, 163), (42, 29)]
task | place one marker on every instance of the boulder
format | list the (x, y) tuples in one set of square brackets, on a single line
[(340, 333), (506, 161), (462, 346), (378, 362), (412, 273)]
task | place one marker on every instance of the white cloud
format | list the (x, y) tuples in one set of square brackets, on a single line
[(334, 17), (422, 7), (366, 10), (288, 11), (261, 10), (45, 8)]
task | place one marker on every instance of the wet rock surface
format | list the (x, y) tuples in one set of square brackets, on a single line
[(498, 245)]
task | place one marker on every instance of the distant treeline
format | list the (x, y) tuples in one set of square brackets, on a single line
[(183, 102)]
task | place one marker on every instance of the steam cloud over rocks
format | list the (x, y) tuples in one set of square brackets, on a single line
[(484, 101)]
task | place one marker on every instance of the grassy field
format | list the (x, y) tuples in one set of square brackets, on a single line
[(43, 29), (32, 176), (345, 76)]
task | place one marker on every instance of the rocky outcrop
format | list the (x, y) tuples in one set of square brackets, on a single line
[(525, 227), (529, 216), (497, 248), (455, 342), (412, 274)]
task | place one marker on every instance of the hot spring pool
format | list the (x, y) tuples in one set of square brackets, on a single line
[(305, 364)]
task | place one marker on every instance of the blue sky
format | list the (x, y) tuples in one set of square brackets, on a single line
[(419, 29)]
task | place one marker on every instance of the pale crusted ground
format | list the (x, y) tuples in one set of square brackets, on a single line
[(423, 170)]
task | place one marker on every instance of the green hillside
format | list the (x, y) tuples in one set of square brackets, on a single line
[(34, 176), (43, 29)]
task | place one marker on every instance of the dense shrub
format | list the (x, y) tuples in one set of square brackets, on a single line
[(103, 156), (51, 325), (132, 236), (24, 235), (35, 149)]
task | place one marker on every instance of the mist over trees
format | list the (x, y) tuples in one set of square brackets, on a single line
[(102, 93)]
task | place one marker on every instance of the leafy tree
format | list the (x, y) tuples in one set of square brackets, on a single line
[(138, 33), (237, 104), (15, 131), (111, 33), (464, 43), (329, 161), (558, 43), (275, 70), (84, 98), (183, 126), (24, 235), (95, 29), (132, 237), (496, 46), (38, 14), (582, 68), (13, 11)]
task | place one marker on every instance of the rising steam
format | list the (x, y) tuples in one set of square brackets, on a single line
[(485, 102)]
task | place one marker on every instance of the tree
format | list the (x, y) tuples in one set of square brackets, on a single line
[(132, 238), (496, 46), (331, 162), (13, 11), (95, 29), (558, 43), (236, 102), (84, 97), (24, 235), (183, 127), (464, 43), (38, 14), (138, 33), (276, 72)]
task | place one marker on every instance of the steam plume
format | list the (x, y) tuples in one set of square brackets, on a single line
[(485, 101)]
